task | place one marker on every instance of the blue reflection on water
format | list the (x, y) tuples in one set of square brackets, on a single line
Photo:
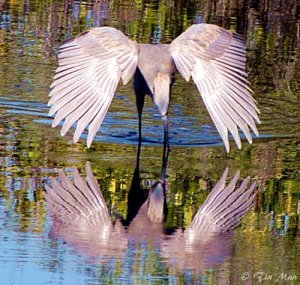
[(33, 258), (121, 126)]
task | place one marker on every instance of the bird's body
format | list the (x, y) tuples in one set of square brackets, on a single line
[(92, 64), (156, 67), (154, 76)]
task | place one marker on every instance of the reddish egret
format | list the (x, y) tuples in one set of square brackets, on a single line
[(92, 64)]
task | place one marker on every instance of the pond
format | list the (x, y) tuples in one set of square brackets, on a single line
[(264, 249)]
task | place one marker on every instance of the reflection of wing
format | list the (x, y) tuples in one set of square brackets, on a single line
[(90, 67), (81, 199), (205, 243), (224, 206), (80, 215), (199, 254), (215, 58)]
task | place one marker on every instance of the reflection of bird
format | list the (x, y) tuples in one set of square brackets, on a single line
[(81, 218), (92, 64)]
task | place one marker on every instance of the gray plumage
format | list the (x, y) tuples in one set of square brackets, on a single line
[(92, 64)]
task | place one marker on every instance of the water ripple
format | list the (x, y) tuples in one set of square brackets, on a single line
[(121, 127)]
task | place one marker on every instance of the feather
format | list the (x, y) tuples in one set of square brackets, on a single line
[(90, 67), (218, 69)]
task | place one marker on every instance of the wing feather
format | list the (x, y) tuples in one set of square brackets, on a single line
[(90, 67), (225, 205), (215, 58), (77, 114), (79, 202)]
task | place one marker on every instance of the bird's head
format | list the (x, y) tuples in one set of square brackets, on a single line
[(162, 91)]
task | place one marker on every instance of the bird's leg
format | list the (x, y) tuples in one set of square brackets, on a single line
[(165, 156), (138, 154), (140, 99), (166, 134), (140, 128)]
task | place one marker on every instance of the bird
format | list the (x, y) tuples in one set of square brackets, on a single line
[(91, 65)]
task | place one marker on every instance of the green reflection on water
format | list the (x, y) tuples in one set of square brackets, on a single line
[(30, 153)]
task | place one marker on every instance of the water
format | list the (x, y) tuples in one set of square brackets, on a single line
[(265, 249)]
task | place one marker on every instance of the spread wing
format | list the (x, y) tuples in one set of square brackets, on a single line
[(215, 58), (80, 215), (225, 205), (90, 67), (79, 202)]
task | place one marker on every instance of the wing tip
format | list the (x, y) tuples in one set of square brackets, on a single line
[(54, 123), (88, 144), (227, 146), (63, 132)]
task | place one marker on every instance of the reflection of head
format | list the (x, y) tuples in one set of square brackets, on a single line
[(156, 201), (81, 218)]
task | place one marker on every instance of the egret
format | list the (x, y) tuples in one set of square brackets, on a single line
[(92, 64)]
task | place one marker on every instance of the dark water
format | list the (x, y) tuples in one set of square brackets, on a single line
[(266, 245)]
